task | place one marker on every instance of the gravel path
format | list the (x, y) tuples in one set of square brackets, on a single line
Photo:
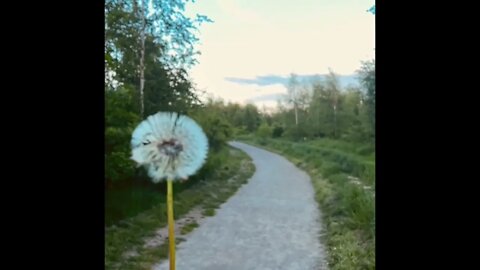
[(271, 223)]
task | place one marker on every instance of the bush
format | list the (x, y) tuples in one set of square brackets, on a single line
[(296, 133), (277, 132), (264, 132), (218, 130), (118, 166)]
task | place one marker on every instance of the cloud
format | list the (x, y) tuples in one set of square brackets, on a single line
[(344, 80), (267, 97), (260, 80)]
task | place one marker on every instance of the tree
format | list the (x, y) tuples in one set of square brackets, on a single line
[(325, 106), (367, 78), (142, 11), (140, 78), (292, 88), (251, 117), (333, 91), (120, 120), (355, 127), (138, 38)]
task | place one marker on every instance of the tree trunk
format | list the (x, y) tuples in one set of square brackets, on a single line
[(296, 114), (335, 103), (142, 59), (335, 121)]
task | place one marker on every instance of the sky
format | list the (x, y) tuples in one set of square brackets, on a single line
[(252, 46)]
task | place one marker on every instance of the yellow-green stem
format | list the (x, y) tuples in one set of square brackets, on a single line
[(171, 224)]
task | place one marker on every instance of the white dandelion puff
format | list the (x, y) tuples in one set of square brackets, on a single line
[(171, 146)]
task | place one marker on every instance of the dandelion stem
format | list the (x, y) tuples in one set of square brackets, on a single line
[(171, 224)]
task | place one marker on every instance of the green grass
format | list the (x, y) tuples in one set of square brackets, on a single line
[(348, 209), (189, 227), (209, 193), (343, 155), (209, 212), (127, 202)]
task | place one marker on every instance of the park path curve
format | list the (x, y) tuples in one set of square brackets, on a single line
[(271, 223)]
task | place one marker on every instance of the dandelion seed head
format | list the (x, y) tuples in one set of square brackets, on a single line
[(169, 145)]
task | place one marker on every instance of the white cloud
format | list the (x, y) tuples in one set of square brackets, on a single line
[(255, 38)]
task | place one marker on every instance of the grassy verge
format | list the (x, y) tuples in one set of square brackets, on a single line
[(189, 227), (348, 208), (130, 234), (333, 156)]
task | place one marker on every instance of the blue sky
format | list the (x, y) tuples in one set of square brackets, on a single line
[(253, 43)]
